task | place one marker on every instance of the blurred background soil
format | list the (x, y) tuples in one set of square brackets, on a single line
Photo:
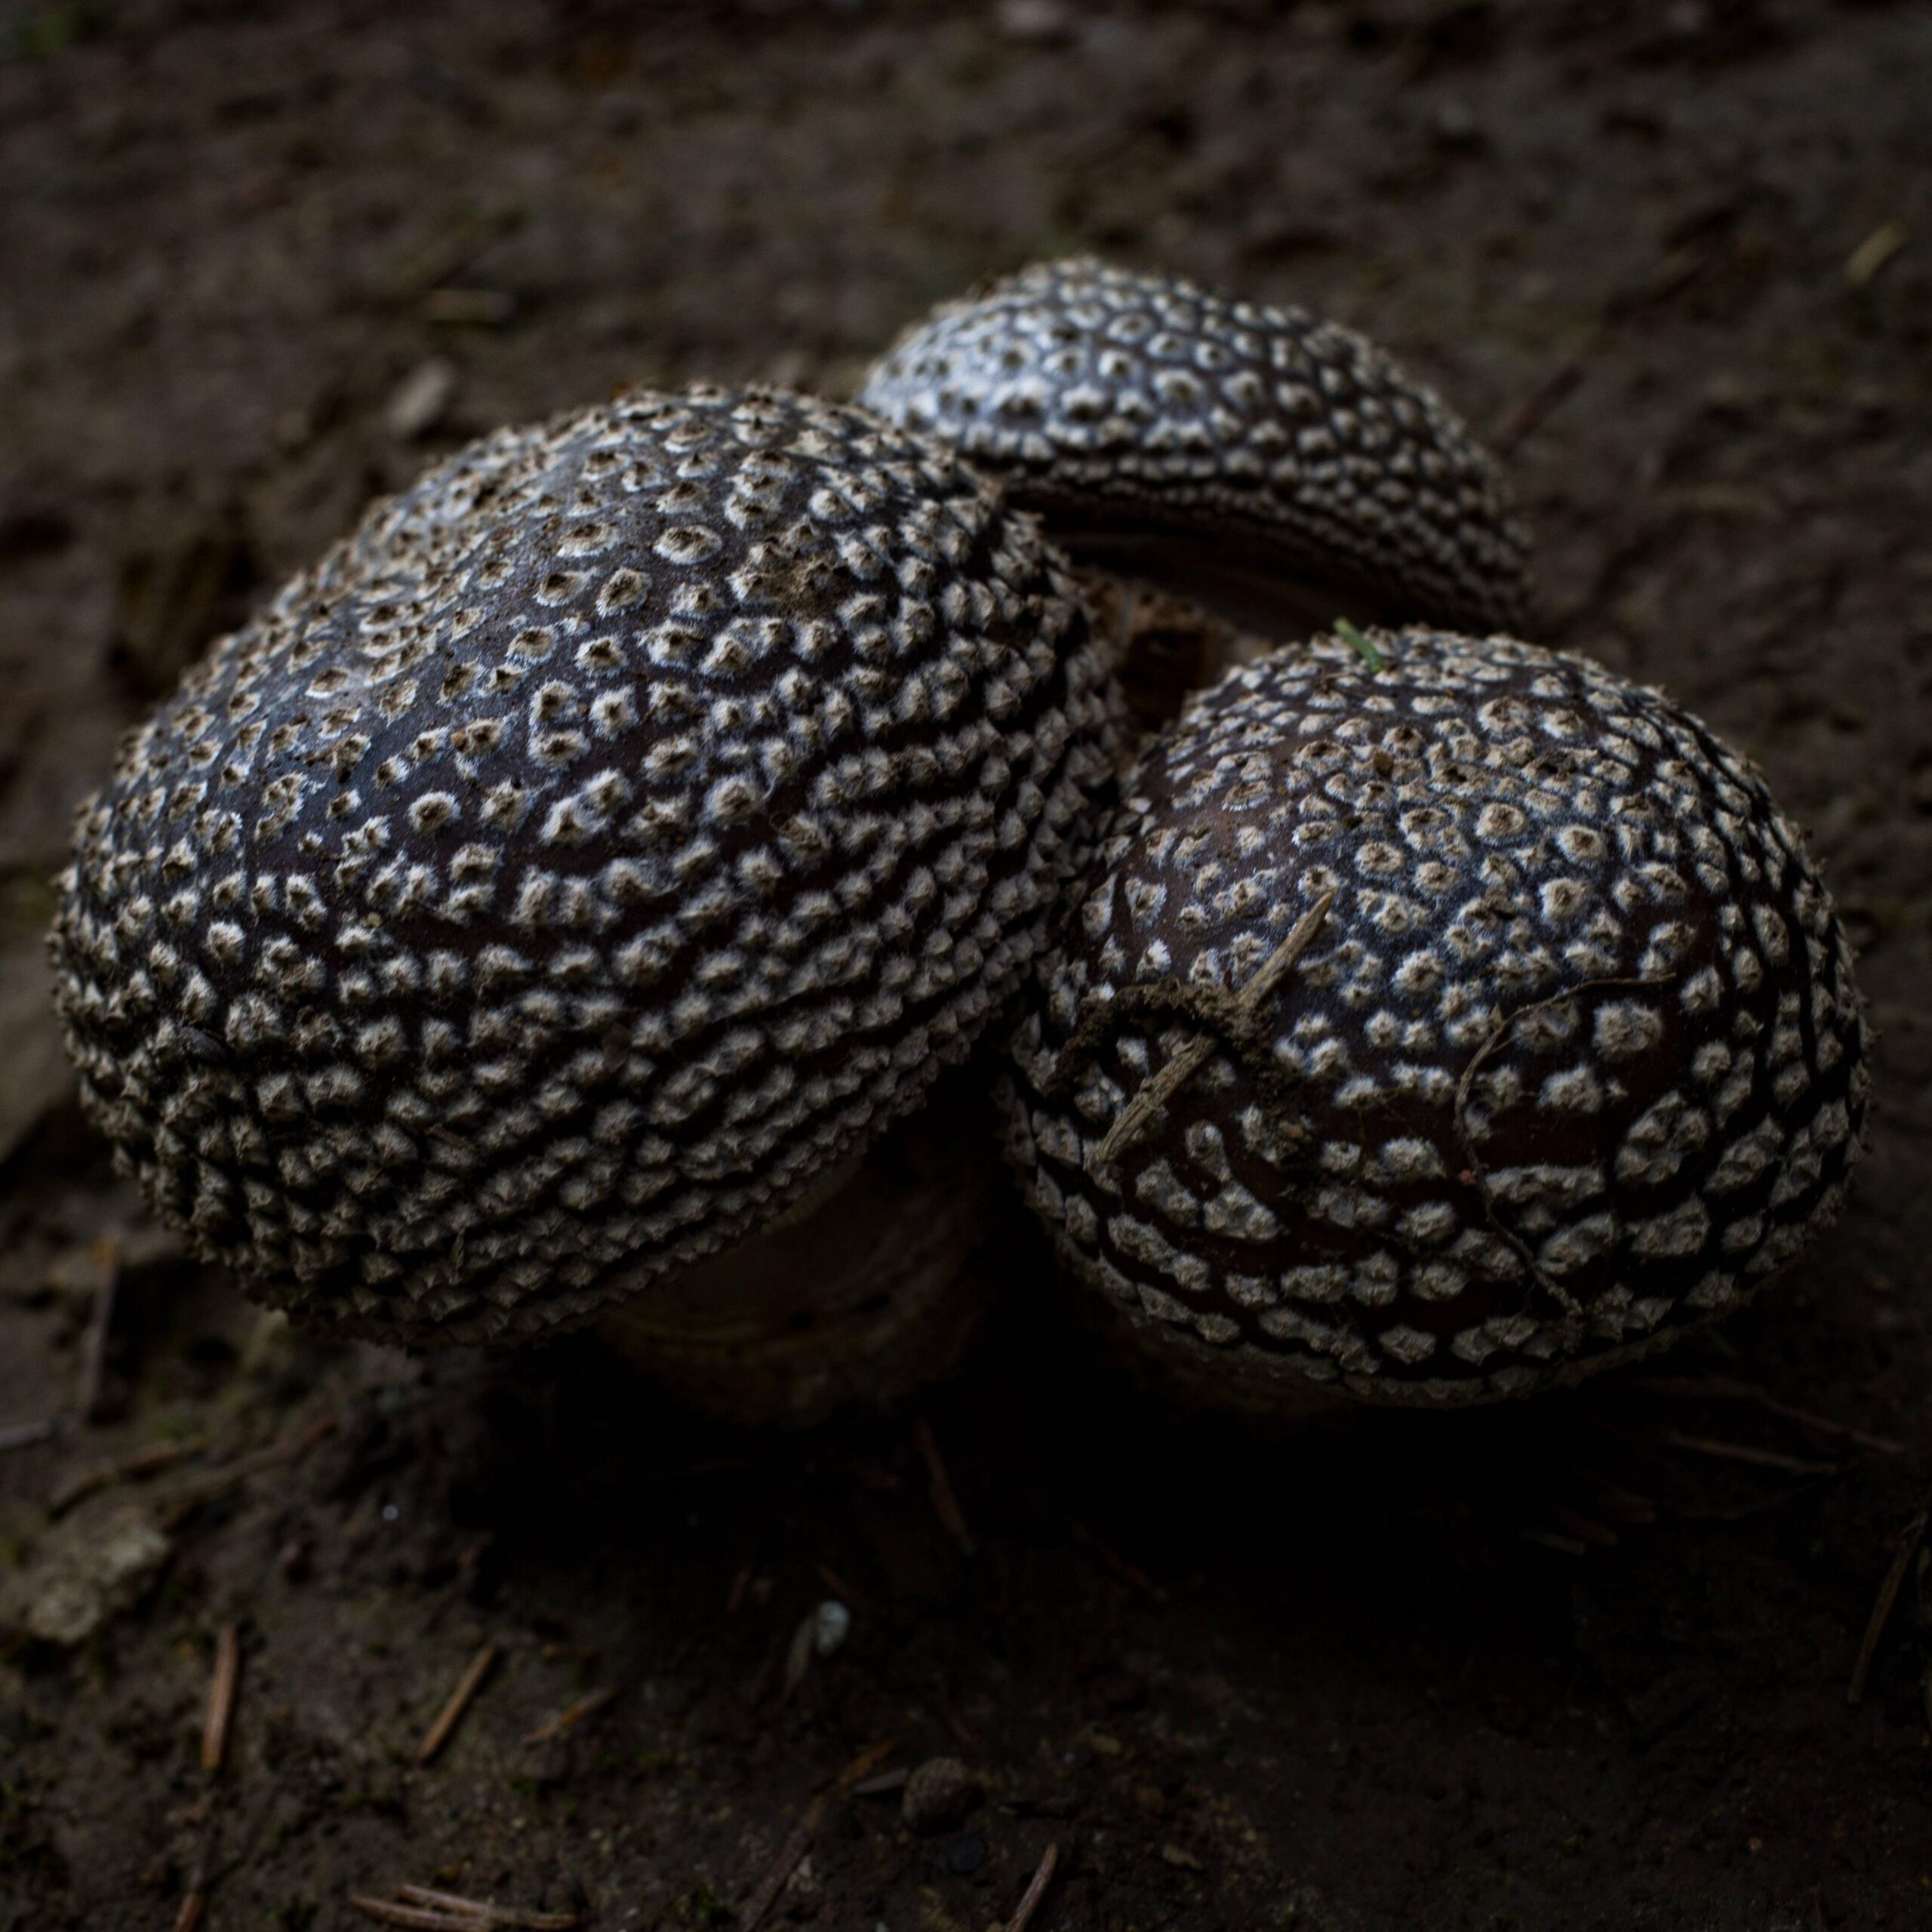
[(1584, 1662)]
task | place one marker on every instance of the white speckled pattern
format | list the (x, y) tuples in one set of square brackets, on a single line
[(1577, 1058), (611, 836), (1103, 396)]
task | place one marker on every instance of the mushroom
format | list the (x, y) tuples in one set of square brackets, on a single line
[(1226, 448), (1442, 1019), (866, 1289), (580, 865)]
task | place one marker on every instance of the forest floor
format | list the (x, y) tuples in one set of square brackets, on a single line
[(1582, 1663)]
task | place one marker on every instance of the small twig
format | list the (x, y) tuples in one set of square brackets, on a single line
[(963, 1733), (24, 1435), (572, 1715), (1663, 280), (1574, 1523), (1765, 1505), (1728, 1389), (1192, 1057), (1036, 1889), (1910, 1537), (1554, 1540), (1747, 1452), (484, 1913), (195, 1900), (94, 1346), (1874, 252), (142, 1461), (839, 1587), (1685, 265), (178, 1503), (417, 1917), (798, 1655), (1528, 415), (221, 1697), (1623, 1506), (793, 1851), (866, 1763), (1111, 1559), (451, 1715), (945, 1504)]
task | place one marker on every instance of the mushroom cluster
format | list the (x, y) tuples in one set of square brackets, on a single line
[(544, 907)]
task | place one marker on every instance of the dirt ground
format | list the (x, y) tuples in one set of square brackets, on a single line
[(1580, 1662)]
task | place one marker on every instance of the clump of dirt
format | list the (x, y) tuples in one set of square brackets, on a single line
[(1583, 1661)]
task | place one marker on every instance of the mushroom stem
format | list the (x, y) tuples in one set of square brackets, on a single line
[(861, 1295), (1235, 582)]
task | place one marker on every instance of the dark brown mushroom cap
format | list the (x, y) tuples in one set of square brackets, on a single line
[(612, 834), (1574, 1059), (1108, 397)]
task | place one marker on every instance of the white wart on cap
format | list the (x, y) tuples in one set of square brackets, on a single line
[(1570, 1057), (593, 851), (1113, 401)]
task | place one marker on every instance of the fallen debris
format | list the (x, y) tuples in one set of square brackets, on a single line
[(945, 1504), (940, 1794), (1910, 1538), (570, 1716), (1111, 1560), (1528, 415), (429, 1910), (1747, 1452), (177, 1504), (1563, 1546), (1730, 1389), (24, 1435), (94, 1342), (87, 1570), (422, 399), (1267, 977), (1862, 264), (138, 1463), (1036, 1889), (486, 1913), (793, 1851), (221, 1697), (451, 1714)]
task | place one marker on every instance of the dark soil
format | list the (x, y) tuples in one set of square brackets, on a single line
[(1553, 1665)]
